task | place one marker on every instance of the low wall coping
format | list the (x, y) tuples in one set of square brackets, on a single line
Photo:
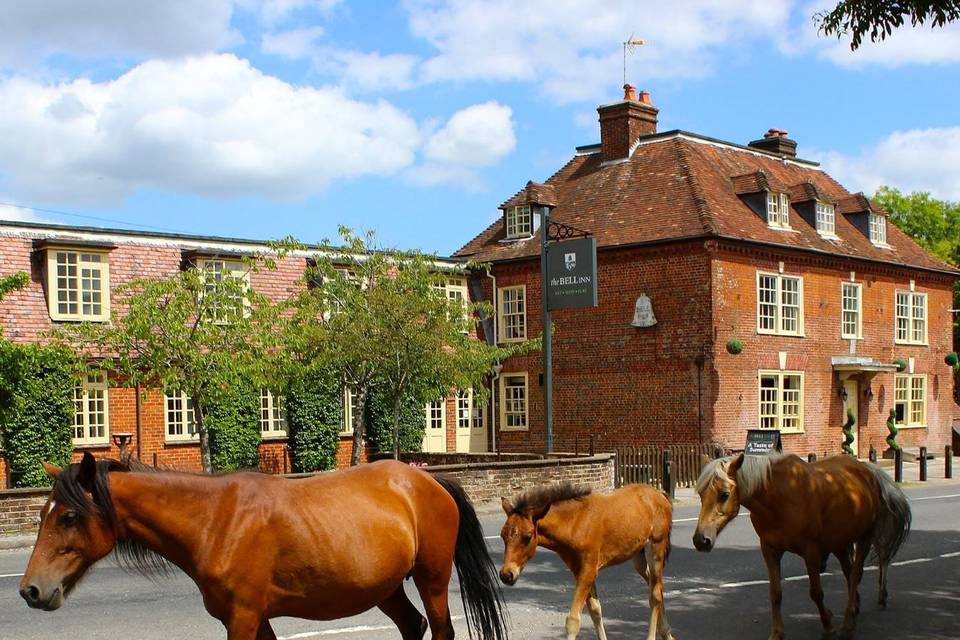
[(512, 464), (28, 492)]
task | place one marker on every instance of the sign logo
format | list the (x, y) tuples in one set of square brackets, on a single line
[(570, 260)]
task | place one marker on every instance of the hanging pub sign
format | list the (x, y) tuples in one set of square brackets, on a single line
[(572, 274), (760, 442)]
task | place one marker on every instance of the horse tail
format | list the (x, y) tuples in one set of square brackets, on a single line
[(479, 585), (893, 522)]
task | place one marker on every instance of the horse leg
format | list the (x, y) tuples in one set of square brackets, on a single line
[(640, 564), (585, 579), (266, 631), (882, 598), (813, 558), (593, 606), (846, 563), (656, 554), (856, 573), (245, 625), (772, 559), (432, 585), (398, 608)]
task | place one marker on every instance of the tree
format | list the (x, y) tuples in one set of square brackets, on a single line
[(880, 17), (202, 331)]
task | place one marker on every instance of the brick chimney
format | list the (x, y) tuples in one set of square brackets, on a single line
[(622, 123), (776, 141)]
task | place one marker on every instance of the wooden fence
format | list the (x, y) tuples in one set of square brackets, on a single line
[(645, 464)]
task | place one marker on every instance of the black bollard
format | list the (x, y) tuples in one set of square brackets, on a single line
[(948, 462), (873, 454), (667, 474), (591, 444), (898, 465), (811, 457), (576, 445), (923, 464)]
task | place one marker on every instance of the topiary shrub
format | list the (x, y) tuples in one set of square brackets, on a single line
[(314, 418), (233, 422), (734, 346), (848, 433), (892, 428), (36, 420), (952, 359), (901, 363), (380, 429)]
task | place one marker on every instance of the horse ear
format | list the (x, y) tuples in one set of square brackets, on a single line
[(52, 470), (507, 506), (734, 466), (88, 470)]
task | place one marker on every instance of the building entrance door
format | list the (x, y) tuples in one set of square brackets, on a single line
[(435, 434)]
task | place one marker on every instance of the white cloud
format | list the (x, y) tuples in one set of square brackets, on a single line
[(9, 211), (294, 44), (913, 160), (572, 49), (31, 31), (276, 11), (374, 71), (211, 125)]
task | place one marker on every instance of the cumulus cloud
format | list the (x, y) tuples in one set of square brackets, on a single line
[(294, 44), (212, 126), (272, 12), (32, 31), (10, 211), (913, 160)]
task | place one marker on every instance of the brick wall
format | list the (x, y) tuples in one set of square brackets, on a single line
[(19, 509)]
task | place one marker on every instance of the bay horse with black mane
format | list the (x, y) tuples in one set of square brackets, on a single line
[(259, 546), (836, 506), (591, 532)]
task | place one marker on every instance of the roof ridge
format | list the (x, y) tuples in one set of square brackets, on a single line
[(696, 191)]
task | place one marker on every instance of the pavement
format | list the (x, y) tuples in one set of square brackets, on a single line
[(721, 595)]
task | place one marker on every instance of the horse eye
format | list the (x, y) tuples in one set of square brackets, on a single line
[(69, 518), (723, 496), (527, 537)]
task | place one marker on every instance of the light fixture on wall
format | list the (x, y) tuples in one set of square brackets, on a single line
[(868, 392), (842, 392)]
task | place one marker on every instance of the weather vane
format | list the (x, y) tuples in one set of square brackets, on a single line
[(628, 46)]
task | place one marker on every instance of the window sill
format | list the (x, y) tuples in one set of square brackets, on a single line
[(848, 337), (509, 429), (901, 427), (882, 245), (784, 229), (911, 344), (517, 239), (273, 437), (830, 236), (781, 335), (511, 340), (92, 445), (169, 442), (346, 434), (789, 431), (97, 320)]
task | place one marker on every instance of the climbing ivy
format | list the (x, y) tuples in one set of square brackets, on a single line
[(314, 404), (233, 420)]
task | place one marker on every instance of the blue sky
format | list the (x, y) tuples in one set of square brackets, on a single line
[(416, 119)]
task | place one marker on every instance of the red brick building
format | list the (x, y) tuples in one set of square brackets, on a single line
[(722, 242), (72, 273)]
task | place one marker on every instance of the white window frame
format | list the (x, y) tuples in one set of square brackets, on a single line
[(519, 222), (914, 403), (349, 397), (856, 313), (504, 413), (456, 291), (470, 415), (907, 328), (779, 305), (778, 415), (435, 411), (91, 391), (518, 332), (273, 415), (826, 219), (55, 279), (778, 210), (184, 412), (878, 230), (216, 268)]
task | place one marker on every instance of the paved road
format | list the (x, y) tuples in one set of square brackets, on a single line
[(718, 596)]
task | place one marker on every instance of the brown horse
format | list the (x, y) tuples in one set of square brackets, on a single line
[(590, 532), (837, 505), (261, 546)]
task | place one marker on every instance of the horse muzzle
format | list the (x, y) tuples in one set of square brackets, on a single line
[(37, 599), (702, 543), (509, 576)]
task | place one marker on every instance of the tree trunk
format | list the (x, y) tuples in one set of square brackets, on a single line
[(396, 427), (205, 460), (360, 426)]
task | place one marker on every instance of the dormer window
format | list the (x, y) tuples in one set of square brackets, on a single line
[(519, 222), (826, 219), (778, 210), (878, 230)]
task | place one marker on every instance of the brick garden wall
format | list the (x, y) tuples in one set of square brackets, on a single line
[(19, 509)]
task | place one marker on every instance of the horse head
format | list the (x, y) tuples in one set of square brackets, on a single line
[(74, 533), (520, 539), (719, 500)]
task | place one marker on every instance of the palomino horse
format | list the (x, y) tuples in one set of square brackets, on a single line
[(590, 532), (811, 510), (261, 546)]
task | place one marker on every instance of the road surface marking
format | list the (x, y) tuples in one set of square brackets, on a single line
[(333, 632), (950, 555), (11, 575), (951, 495)]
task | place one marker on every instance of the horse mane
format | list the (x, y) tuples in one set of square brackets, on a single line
[(752, 476), (548, 494), (130, 554)]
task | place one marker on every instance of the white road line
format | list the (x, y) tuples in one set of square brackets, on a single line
[(955, 554), (685, 519), (11, 575), (341, 630), (951, 495)]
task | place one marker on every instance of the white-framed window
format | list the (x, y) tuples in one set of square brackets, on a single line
[(513, 313), (91, 410), (351, 411), (779, 304), (436, 414), (78, 285), (179, 420), (781, 401), (273, 415), (469, 411), (216, 270), (778, 210), (455, 290), (910, 399), (851, 323), (878, 229), (911, 317), (513, 402), (826, 219), (519, 222)]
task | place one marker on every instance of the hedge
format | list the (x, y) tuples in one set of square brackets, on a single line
[(314, 415), (233, 422), (380, 425)]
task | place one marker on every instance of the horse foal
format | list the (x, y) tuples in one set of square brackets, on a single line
[(591, 532)]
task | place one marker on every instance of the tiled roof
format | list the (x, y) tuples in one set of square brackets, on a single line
[(678, 185), (533, 193)]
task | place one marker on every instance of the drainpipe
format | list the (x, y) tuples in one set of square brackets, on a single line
[(137, 408), (699, 361), (497, 368)]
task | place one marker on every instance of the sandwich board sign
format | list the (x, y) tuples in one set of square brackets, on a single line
[(572, 274), (761, 442)]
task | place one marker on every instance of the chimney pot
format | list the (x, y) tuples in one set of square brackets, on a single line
[(629, 92), (775, 133), (776, 141), (623, 123), (645, 97)]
